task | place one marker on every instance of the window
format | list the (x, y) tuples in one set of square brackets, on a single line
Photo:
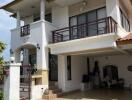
[(78, 24), (124, 21), (69, 76), (48, 17), (91, 20)]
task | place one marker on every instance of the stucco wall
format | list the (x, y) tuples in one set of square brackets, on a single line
[(37, 36), (28, 20), (79, 8), (112, 7), (78, 69), (60, 16), (121, 61)]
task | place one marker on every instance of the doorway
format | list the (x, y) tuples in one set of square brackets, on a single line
[(53, 67)]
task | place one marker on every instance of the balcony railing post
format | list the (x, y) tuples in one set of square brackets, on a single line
[(25, 30), (53, 37)]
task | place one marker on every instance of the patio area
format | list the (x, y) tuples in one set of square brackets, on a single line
[(99, 94)]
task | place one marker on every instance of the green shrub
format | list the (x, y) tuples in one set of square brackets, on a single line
[(1, 95)]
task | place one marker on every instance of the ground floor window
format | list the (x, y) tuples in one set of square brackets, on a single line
[(69, 76)]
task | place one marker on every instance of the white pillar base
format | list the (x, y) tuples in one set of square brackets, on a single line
[(12, 83)]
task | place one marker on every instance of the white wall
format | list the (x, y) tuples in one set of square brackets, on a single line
[(78, 8), (38, 91), (78, 69), (84, 44), (37, 36), (60, 16), (112, 7), (28, 20), (121, 61)]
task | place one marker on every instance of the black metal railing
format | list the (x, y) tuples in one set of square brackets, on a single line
[(93, 28), (25, 30)]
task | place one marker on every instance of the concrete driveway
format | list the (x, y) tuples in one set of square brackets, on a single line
[(99, 94)]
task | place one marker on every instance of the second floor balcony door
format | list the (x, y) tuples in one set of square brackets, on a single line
[(81, 21), (91, 23), (73, 27)]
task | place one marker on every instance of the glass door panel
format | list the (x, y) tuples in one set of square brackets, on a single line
[(73, 27), (92, 25), (101, 13), (82, 26)]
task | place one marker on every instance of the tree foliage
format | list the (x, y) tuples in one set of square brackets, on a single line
[(2, 48)]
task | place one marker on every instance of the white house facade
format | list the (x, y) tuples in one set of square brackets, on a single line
[(72, 42)]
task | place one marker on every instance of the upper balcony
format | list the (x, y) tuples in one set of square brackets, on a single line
[(33, 33), (93, 28)]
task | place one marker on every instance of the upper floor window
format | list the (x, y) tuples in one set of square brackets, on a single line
[(124, 21), (48, 17)]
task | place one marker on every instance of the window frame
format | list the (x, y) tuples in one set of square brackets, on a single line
[(69, 69), (86, 14), (124, 19)]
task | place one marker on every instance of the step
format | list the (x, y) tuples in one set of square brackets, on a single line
[(53, 96), (52, 83), (53, 87), (55, 91)]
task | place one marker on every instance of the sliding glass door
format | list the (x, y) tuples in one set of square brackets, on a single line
[(101, 13), (82, 26), (92, 24), (88, 24), (73, 27)]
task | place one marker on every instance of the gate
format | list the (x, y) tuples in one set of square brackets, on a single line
[(25, 82), (26, 72)]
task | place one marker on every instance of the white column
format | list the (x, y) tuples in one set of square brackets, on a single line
[(18, 19), (42, 9), (12, 83), (62, 72)]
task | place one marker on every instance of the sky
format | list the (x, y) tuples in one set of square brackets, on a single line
[(6, 24)]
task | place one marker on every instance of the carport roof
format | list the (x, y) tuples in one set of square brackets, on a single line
[(125, 40)]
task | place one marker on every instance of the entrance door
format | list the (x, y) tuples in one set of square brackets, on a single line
[(53, 67)]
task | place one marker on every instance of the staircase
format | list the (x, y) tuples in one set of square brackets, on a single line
[(53, 92)]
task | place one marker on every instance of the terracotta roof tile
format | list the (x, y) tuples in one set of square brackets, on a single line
[(126, 38)]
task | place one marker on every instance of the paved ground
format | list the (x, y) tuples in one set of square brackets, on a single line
[(99, 95)]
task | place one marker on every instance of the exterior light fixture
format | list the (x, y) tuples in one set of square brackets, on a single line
[(38, 46), (84, 3), (12, 59)]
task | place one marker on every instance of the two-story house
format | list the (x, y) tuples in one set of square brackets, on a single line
[(71, 42)]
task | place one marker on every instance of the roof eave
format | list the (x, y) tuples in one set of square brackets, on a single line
[(124, 42), (10, 4)]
